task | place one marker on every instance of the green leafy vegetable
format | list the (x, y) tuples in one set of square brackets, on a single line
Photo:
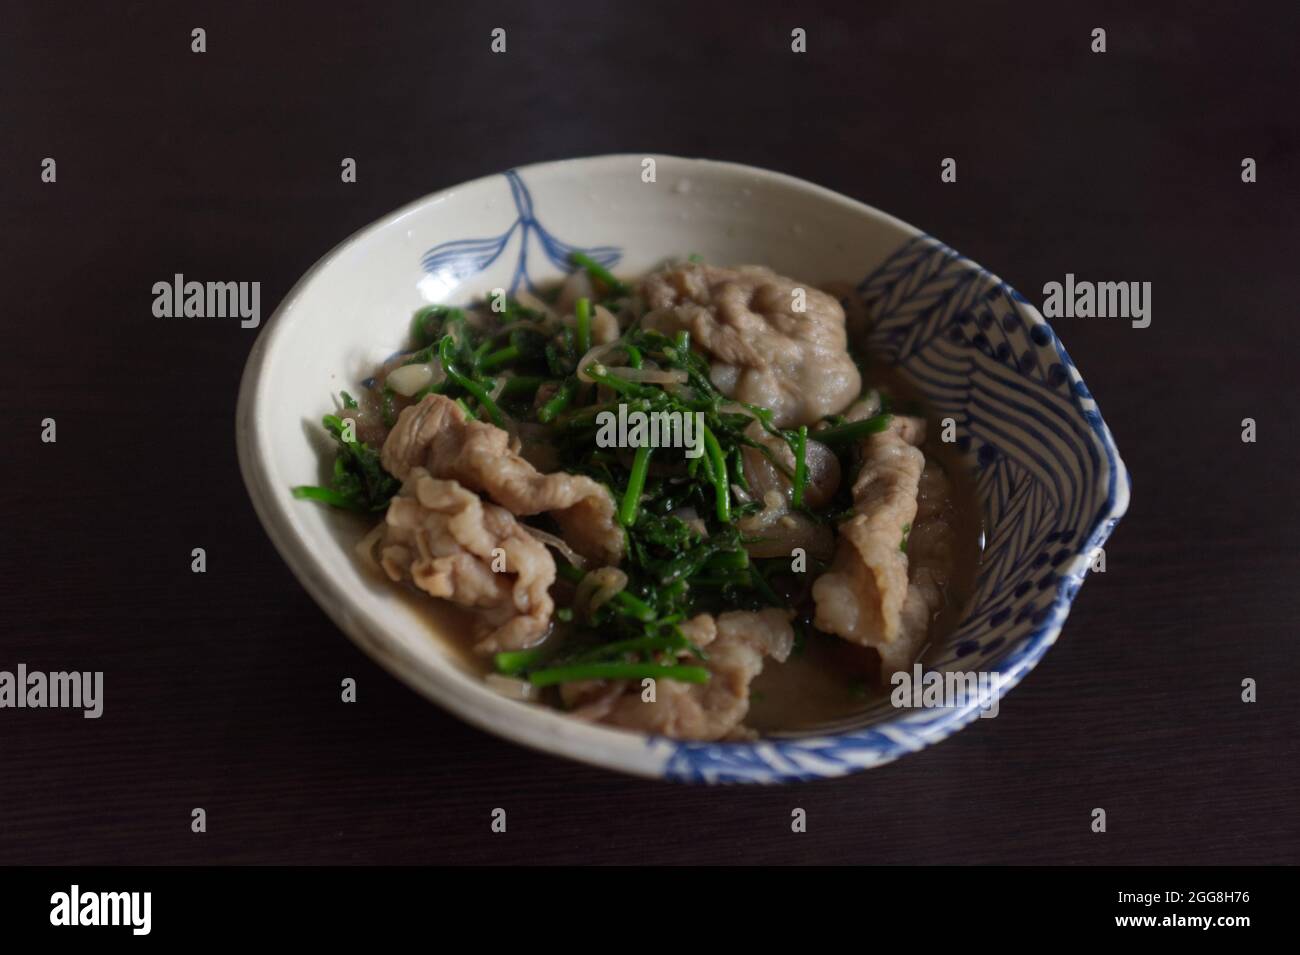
[(582, 314), (359, 482), (854, 431)]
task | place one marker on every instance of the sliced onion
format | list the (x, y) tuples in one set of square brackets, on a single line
[(567, 552), (823, 474), (604, 325), (576, 286), (780, 537), (409, 380), (596, 588), (366, 546), (735, 407), (775, 507), (594, 354), (511, 687), (528, 300), (457, 332), (765, 478)]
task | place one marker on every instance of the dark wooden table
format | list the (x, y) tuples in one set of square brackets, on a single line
[(222, 688)]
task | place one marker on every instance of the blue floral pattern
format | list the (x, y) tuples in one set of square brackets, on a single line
[(459, 259)]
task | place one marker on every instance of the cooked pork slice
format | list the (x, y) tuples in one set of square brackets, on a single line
[(736, 644), (924, 597), (700, 629), (591, 699), (861, 596), (436, 435), (443, 538), (764, 350), (930, 563)]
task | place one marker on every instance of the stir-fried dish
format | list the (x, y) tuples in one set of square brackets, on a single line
[(678, 506)]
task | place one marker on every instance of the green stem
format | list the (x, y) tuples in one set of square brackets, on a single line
[(853, 431), (513, 662), (635, 645), (326, 495), (582, 312), (800, 465), (635, 485), (600, 374), (501, 356), (598, 271), (469, 384), (718, 464), (728, 560), (624, 602), (559, 401)]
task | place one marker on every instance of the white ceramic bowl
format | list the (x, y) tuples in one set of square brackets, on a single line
[(1050, 481)]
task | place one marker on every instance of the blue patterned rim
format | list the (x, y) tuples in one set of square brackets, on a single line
[(1032, 434)]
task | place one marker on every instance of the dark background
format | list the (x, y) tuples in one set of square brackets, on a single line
[(222, 690)]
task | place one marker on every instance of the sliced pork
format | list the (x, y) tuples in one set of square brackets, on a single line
[(736, 644), (930, 558), (766, 350), (436, 435), (440, 536), (860, 597)]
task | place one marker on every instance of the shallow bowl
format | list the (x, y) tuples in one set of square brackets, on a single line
[(1049, 478)]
